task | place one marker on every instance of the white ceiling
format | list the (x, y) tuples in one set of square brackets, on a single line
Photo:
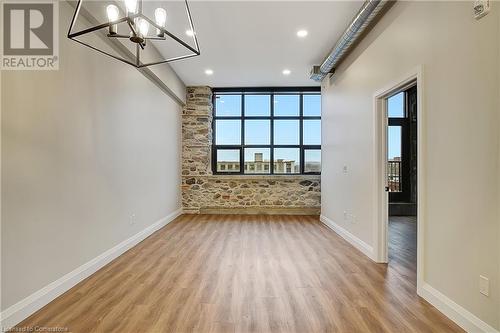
[(250, 43)]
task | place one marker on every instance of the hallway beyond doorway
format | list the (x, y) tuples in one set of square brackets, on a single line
[(403, 246)]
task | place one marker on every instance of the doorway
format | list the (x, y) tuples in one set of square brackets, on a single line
[(401, 143), (399, 187)]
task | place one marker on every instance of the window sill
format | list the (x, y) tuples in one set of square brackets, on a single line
[(260, 177)]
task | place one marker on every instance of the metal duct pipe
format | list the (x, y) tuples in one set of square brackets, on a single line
[(365, 16)]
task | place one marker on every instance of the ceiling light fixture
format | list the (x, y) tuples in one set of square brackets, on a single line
[(302, 33), (190, 33), (209, 71), (161, 18), (286, 72), (131, 6), (135, 30)]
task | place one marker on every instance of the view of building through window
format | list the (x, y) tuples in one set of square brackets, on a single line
[(267, 133), (395, 110)]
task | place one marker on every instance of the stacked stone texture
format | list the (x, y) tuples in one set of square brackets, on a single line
[(197, 132), (203, 191)]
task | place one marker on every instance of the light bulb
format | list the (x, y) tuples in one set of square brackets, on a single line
[(160, 16), (112, 12), (131, 6), (143, 27), (302, 33)]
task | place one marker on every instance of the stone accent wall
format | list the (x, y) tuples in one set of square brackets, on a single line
[(197, 132), (203, 192)]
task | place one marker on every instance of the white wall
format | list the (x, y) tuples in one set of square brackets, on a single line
[(461, 105), (83, 148)]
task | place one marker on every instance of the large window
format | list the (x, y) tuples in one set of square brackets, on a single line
[(267, 131)]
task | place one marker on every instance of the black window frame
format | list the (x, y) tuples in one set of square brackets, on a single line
[(272, 91)]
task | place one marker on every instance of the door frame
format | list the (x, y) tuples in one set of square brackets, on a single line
[(380, 196)]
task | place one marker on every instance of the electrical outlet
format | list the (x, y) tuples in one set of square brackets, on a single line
[(484, 285), (132, 219), (349, 217), (344, 169)]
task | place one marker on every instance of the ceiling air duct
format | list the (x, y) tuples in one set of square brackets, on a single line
[(365, 16)]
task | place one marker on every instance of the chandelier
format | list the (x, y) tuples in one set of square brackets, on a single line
[(138, 32)]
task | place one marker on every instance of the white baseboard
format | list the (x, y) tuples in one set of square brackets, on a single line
[(463, 318), (353, 240), (26, 307)]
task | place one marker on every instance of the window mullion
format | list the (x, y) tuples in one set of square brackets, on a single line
[(271, 148), (242, 160), (301, 131), (242, 151)]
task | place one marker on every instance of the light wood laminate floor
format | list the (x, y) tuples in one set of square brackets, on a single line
[(403, 247), (234, 273)]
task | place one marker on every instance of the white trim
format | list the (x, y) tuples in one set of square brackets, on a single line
[(380, 197), (26, 307), (349, 237), (455, 312)]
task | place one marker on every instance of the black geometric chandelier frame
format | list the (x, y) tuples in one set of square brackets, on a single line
[(138, 33)]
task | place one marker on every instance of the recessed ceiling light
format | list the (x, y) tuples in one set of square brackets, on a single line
[(190, 33), (209, 71), (302, 33), (286, 72)]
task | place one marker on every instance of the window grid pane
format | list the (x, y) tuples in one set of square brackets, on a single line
[(257, 160), (227, 132), (286, 105), (287, 132), (257, 105), (312, 105), (286, 160), (394, 158), (257, 132), (228, 160), (395, 106), (228, 105), (269, 139), (312, 160), (312, 132)]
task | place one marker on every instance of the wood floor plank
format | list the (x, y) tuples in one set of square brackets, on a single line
[(249, 273)]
